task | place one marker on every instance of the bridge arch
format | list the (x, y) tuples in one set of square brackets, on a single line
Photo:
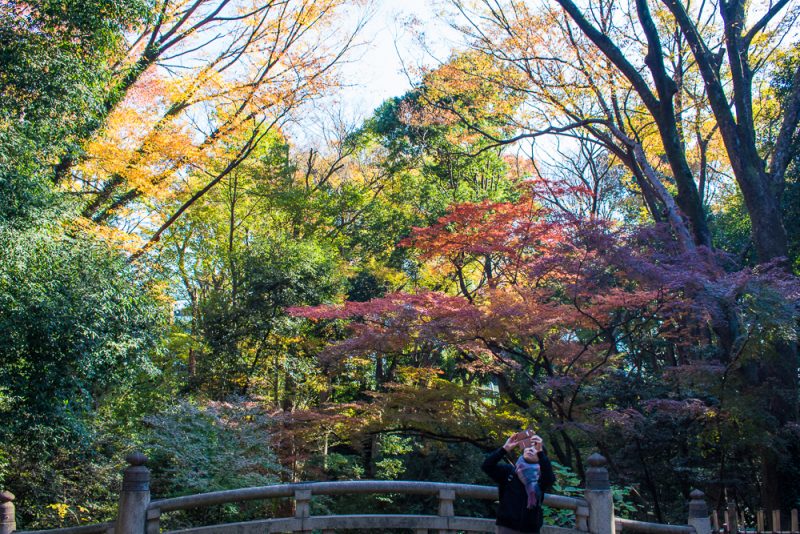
[(137, 514)]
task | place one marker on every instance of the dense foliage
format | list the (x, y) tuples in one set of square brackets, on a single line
[(560, 226)]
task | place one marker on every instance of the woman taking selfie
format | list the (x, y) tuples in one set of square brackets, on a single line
[(522, 483)]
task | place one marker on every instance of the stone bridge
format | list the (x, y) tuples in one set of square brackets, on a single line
[(137, 514)]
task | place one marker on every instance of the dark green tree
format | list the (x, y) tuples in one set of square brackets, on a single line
[(78, 324), (54, 66)]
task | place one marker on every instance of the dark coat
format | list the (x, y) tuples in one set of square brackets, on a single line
[(512, 511)]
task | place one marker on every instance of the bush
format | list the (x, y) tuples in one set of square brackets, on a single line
[(211, 446)]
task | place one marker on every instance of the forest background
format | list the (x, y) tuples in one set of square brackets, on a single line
[(583, 219)]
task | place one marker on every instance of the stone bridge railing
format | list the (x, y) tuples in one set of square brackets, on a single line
[(137, 514)]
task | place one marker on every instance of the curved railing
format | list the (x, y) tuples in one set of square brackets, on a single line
[(349, 487), (629, 525), (445, 520), (96, 528), (593, 514), (303, 521)]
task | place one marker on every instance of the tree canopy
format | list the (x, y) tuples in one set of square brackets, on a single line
[(582, 219)]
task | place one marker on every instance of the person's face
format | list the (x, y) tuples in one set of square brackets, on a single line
[(530, 455)]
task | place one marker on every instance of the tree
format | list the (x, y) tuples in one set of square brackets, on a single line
[(547, 105), (198, 89), (55, 69), (657, 79), (644, 62), (761, 184), (79, 325), (573, 317), (78, 320), (586, 183)]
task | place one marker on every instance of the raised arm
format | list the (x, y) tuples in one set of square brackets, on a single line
[(491, 465)]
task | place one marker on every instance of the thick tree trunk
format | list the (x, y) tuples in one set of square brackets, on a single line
[(779, 372), (276, 380), (688, 198), (648, 195), (287, 403), (192, 368), (764, 206)]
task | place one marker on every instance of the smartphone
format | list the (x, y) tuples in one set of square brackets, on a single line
[(525, 438)]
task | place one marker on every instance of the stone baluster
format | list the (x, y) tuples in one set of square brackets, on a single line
[(8, 522), (731, 519), (135, 497), (776, 521), (153, 521), (598, 496), (302, 507), (446, 509), (582, 518), (698, 513)]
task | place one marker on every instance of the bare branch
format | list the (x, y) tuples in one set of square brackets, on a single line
[(791, 115), (763, 21)]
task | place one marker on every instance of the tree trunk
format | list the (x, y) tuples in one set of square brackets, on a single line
[(70, 158), (764, 206), (192, 369), (287, 405), (688, 198)]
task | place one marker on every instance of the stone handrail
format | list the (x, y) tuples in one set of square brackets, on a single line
[(445, 521), (629, 525), (594, 514), (96, 528), (350, 487)]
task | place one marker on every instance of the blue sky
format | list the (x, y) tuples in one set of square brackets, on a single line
[(376, 70)]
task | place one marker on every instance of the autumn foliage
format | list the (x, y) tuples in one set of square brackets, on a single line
[(582, 220), (591, 328)]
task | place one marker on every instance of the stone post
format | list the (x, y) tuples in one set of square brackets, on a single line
[(598, 496), (153, 521), (582, 518), (698, 513), (135, 496), (8, 522), (776, 521), (302, 507), (446, 509), (730, 518)]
